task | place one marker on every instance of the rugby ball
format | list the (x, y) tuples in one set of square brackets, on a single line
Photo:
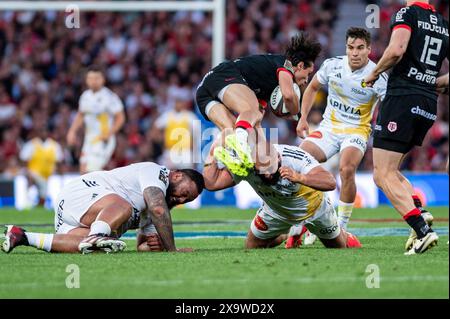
[(278, 106)]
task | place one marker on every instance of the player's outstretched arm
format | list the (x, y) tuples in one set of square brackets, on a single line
[(392, 55), (307, 102), (160, 214), (287, 91), (318, 178), (215, 178)]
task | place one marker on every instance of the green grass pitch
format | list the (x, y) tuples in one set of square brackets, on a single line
[(221, 268)]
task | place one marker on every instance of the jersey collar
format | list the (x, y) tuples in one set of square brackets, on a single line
[(424, 5), (349, 69)]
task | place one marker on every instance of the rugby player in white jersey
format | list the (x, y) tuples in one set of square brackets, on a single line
[(346, 124), (92, 211), (291, 184), (101, 111)]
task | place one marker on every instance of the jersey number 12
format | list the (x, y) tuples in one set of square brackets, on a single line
[(432, 47)]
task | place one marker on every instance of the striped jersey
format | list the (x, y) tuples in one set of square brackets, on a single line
[(288, 200)]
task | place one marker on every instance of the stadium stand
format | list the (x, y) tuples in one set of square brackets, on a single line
[(153, 59)]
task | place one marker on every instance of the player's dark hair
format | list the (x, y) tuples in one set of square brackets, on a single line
[(359, 33), (196, 177), (303, 49), (95, 68)]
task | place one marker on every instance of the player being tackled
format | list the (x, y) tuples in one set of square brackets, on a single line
[(234, 94), (292, 186)]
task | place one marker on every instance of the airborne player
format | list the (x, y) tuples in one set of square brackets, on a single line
[(244, 86)]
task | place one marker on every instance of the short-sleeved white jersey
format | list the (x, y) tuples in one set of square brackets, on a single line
[(288, 200), (98, 109), (349, 106), (130, 181)]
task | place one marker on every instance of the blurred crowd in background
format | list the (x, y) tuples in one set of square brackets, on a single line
[(154, 62)]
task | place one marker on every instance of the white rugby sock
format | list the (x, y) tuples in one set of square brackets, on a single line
[(100, 227), (344, 213), (40, 241), (242, 135)]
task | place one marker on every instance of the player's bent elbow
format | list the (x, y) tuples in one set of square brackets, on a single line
[(329, 183), (397, 51), (158, 211)]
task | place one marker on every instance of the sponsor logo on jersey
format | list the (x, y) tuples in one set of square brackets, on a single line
[(90, 183), (360, 92), (432, 27), (339, 75), (422, 77), (392, 127), (164, 176), (316, 134), (345, 108), (378, 128), (417, 110), (400, 13), (260, 224)]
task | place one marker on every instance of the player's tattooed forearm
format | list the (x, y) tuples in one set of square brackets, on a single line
[(154, 197), (160, 215)]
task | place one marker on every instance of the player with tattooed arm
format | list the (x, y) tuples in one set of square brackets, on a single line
[(92, 211)]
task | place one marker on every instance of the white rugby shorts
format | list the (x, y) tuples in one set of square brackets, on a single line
[(75, 199), (324, 223), (332, 143)]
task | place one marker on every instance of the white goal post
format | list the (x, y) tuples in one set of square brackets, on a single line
[(216, 6)]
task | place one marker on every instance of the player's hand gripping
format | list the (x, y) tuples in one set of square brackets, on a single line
[(290, 174), (302, 128), (370, 80)]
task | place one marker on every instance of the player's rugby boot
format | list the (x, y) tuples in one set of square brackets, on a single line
[(310, 238), (295, 241), (14, 236), (243, 151), (353, 241), (423, 244), (412, 235), (230, 161), (100, 242)]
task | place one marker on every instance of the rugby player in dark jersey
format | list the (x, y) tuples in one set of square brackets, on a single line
[(418, 46), (234, 94)]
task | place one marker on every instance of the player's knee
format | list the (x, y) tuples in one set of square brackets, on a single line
[(347, 172), (253, 117), (120, 206)]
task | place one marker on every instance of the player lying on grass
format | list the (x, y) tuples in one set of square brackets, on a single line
[(291, 184), (94, 210)]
